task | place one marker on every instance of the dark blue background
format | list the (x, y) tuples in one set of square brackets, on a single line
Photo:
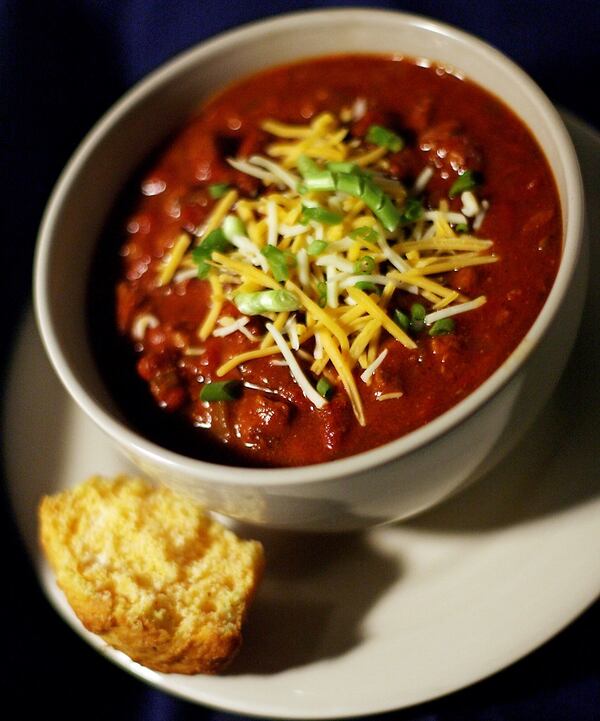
[(62, 64)]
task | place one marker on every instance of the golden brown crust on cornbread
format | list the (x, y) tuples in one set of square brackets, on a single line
[(150, 573)]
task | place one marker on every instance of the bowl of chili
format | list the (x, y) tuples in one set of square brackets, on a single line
[(338, 292)]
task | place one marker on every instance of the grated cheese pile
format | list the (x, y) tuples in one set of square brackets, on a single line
[(329, 251)]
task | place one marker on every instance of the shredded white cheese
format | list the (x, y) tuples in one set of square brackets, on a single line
[(470, 206), (245, 167), (481, 215), (292, 230), (250, 252), (359, 108), (448, 216), (273, 230), (454, 310), (185, 274), (422, 180), (330, 260), (392, 256), (332, 287), (315, 398), (277, 170), (142, 323), (291, 327), (365, 376), (303, 267), (232, 327), (318, 351)]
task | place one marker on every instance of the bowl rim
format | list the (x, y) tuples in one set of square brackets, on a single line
[(394, 450)]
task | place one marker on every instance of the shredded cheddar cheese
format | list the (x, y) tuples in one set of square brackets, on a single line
[(216, 299), (174, 259)]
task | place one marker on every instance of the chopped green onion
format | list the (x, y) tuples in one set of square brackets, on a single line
[(417, 317), (320, 215), (323, 180), (365, 233), (313, 177), (317, 247), (379, 135), (343, 166), (266, 301), (461, 228), (401, 319), (466, 181), (360, 186), (307, 166), (412, 211), (220, 391), (232, 226), (372, 195), (218, 190), (388, 214), (324, 388), (349, 183), (364, 265), (367, 286), (215, 241), (442, 327), (290, 258), (278, 262), (322, 291)]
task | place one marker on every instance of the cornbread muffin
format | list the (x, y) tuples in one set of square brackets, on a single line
[(150, 573)]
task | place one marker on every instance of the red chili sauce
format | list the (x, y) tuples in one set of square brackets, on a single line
[(449, 124)]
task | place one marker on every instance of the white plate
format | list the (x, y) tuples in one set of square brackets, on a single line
[(347, 626)]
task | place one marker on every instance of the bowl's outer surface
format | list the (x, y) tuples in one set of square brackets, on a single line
[(396, 480)]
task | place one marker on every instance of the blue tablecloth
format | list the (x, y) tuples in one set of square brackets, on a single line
[(62, 63)]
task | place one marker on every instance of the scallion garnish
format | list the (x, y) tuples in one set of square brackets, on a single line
[(324, 388), (388, 214), (443, 326), (372, 195), (367, 286), (307, 166), (290, 258), (412, 211), (320, 215), (364, 265), (214, 241), (461, 228), (417, 317), (343, 166), (361, 186), (220, 391), (401, 319), (266, 301), (232, 226), (378, 135), (218, 190), (365, 233), (278, 262), (350, 183), (322, 180), (466, 181), (322, 293), (317, 247)]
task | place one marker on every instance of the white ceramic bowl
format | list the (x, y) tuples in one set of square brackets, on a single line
[(393, 481)]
